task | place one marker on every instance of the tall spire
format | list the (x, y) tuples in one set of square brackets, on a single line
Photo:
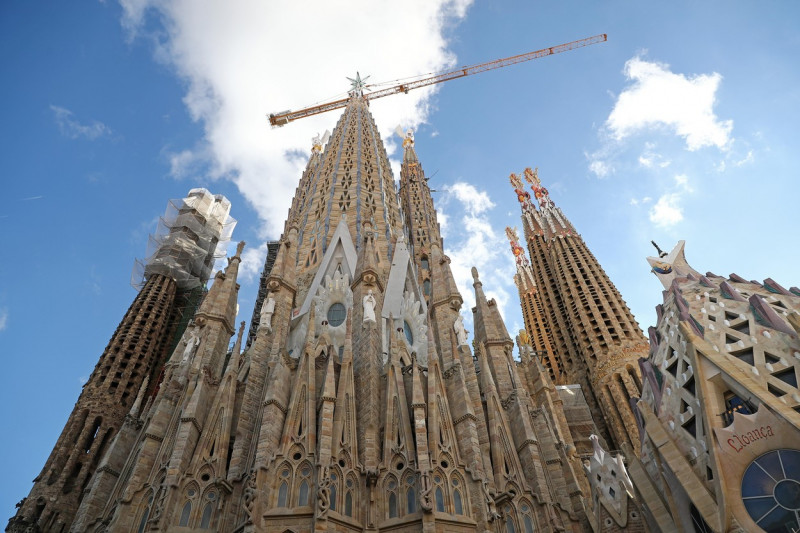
[(597, 338), (537, 330)]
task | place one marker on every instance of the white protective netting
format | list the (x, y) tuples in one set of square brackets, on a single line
[(193, 232)]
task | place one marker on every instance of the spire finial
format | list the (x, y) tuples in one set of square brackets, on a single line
[(541, 194), (357, 85), (239, 249), (660, 252), (523, 196), (475, 275), (516, 249)]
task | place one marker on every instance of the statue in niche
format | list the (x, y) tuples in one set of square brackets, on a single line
[(461, 333), (191, 343), (267, 309), (369, 307)]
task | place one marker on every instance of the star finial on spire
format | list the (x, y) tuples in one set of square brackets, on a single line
[(357, 85)]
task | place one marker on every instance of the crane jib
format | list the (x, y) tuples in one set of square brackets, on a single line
[(284, 117)]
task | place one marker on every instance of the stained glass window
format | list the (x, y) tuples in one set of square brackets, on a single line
[(771, 490)]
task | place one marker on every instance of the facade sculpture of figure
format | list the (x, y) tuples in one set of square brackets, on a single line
[(490, 505), (369, 307), (266, 312), (461, 333), (191, 343)]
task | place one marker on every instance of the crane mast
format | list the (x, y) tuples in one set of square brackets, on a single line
[(284, 117)]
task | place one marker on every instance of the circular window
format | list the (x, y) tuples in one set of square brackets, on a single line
[(392, 484), (336, 314), (285, 473), (211, 496), (407, 331), (771, 490), (205, 477), (190, 492)]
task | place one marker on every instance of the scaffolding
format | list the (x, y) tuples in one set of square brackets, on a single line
[(191, 235), (272, 253)]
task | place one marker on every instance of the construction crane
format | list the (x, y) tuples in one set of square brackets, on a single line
[(284, 117)]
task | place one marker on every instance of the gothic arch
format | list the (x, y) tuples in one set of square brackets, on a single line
[(460, 494)]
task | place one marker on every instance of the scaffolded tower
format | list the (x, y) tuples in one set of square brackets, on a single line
[(170, 282)]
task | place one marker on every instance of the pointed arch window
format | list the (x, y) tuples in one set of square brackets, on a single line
[(145, 515), (411, 500), (392, 505), (205, 520), (302, 498), (439, 499), (527, 522), (185, 514), (348, 504), (334, 483), (305, 476), (283, 492), (457, 502)]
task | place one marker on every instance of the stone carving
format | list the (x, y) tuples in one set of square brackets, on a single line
[(191, 343), (461, 333), (425, 499), (324, 493), (490, 505), (250, 496), (369, 307), (266, 312)]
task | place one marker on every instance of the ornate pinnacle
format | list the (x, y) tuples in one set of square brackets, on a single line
[(542, 196), (516, 249), (523, 196)]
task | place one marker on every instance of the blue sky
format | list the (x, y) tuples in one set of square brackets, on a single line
[(681, 126)]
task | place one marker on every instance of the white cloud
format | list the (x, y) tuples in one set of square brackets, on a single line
[(475, 201), (659, 98), (667, 211), (3, 318), (651, 159), (600, 168), (70, 127), (477, 244), (242, 60), (252, 262)]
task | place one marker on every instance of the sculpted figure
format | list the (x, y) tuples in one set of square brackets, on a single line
[(490, 505), (191, 343), (369, 307), (461, 333), (267, 309)]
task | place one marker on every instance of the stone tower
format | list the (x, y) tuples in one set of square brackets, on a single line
[(596, 337), (359, 405), (179, 262), (537, 330)]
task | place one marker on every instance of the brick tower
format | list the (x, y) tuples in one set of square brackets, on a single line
[(172, 277), (597, 340)]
